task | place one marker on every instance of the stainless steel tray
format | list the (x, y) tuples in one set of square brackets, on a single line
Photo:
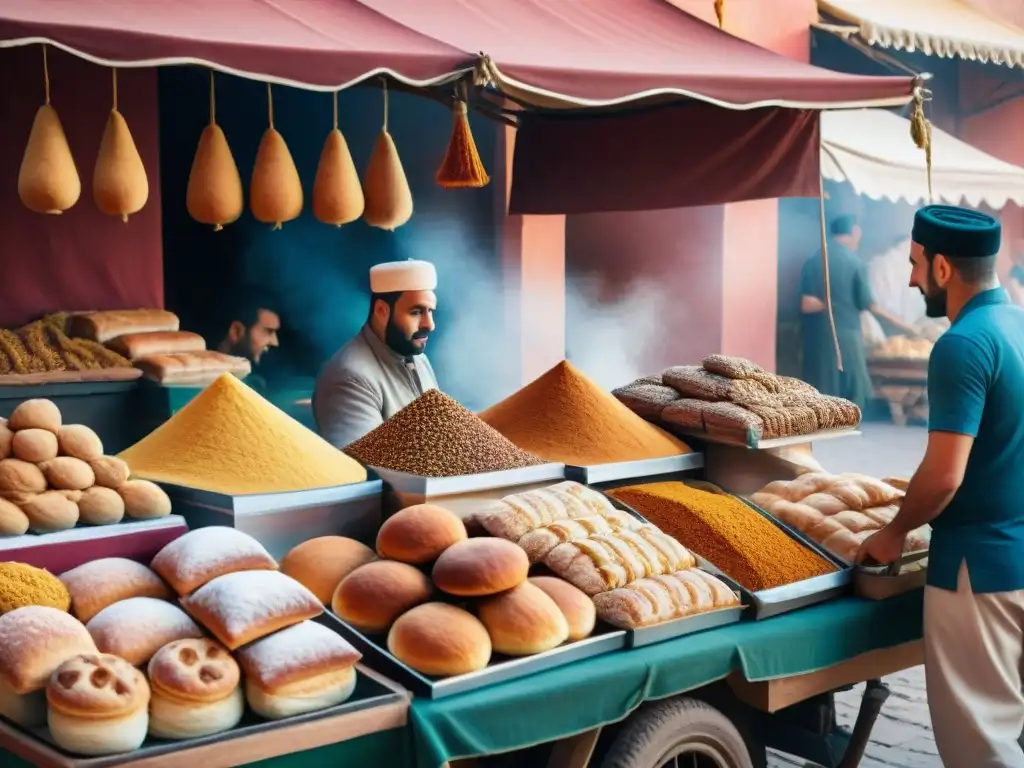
[(895, 568), (884, 581), (250, 505), (442, 486), (500, 670), (687, 625), (774, 442), (629, 470), (789, 597)]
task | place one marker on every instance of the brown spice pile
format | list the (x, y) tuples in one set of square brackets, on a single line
[(435, 436), (724, 531), (563, 416)]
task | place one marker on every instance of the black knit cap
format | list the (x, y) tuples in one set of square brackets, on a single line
[(959, 233)]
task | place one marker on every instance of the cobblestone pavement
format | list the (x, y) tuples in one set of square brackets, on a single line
[(902, 736)]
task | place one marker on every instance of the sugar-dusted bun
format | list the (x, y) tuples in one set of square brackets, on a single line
[(576, 606), (481, 567), (79, 442), (440, 640), (523, 621), (303, 668), (320, 564), (35, 414), (419, 534), (138, 627), (50, 511), (34, 641), (95, 585), (34, 445), (239, 608), (97, 704), (199, 556), (374, 595), (110, 471), (100, 506), (144, 500), (196, 690)]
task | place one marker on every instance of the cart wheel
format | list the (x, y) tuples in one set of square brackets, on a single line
[(678, 733)]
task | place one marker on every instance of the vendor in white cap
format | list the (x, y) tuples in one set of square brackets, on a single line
[(384, 367)]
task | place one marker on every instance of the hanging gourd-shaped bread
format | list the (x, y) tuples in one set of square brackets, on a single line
[(214, 193), (337, 194), (388, 197), (119, 182), (275, 193), (48, 180)]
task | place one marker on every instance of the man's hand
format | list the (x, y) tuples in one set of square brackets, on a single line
[(883, 547)]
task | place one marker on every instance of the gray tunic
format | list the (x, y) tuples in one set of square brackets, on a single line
[(363, 385)]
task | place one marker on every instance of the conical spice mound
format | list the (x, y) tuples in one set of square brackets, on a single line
[(48, 181), (435, 436), (119, 183), (214, 193), (275, 192), (565, 417), (337, 194), (230, 440), (385, 187)]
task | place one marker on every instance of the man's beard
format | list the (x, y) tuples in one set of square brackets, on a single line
[(934, 299), (395, 338)]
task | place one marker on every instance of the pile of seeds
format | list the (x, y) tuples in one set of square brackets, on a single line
[(435, 436)]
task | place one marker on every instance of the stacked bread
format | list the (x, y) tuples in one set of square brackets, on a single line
[(636, 574), (54, 475), (136, 658), (837, 511), (153, 341), (903, 348)]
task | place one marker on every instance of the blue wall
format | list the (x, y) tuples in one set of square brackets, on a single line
[(318, 273)]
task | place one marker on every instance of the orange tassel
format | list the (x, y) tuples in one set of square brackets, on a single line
[(462, 167), (720, 13)]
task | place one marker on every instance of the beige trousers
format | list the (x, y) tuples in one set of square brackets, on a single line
[(974, 648)]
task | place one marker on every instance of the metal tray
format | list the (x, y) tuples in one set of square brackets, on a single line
[(687, 625), (629, 470), (776, 442), (371, 691), (500, 670), (789, 597), (403, 482)]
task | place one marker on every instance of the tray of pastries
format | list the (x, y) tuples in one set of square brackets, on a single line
[(209, 645)]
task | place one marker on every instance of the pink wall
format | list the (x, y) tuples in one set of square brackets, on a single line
[(81, 259)]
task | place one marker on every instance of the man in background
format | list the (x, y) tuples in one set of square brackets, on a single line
[(384, 367), (252, 329), (851, 295)]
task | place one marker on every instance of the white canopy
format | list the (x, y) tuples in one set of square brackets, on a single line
[(873, 151)]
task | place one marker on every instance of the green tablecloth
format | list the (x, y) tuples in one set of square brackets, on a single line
[(576, 698)]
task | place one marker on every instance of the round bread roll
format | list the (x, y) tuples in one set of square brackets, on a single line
[(19, 476), (70, 474), (34, 445), (481, 567), (100, 506), (79, 442), (321, 563), (75, 496), (35, 414), (196, 690), (419, 534), (575, 604), (13, 522), (110, 471), (136, 628), (144, 500), (97, 704), (523, 621), (50, 511), (440, 640), (6, 438), (374, 595)]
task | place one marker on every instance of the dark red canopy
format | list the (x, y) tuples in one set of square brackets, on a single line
[(557, 57)]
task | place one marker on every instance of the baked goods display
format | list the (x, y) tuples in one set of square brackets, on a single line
[(480, 567), (902, 348), (104, 327), (419, 534), (44, 351), (374, 595), (649, 601), (519, 513), (740, 542), (837, 511), (136, 628), (732, 400), (192, 368), (54, 476), (440, 640), (95, 585), (200, 556), (578, 609), (320, 564)]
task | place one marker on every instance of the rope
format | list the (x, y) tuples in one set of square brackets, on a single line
[(335, 110), (921, 131), (270, 105), (828, 277), (384, 83), (484, 73), (213, 102), (114, 76), (720, 13), (46, 74)]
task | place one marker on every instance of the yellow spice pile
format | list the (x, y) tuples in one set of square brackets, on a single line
[(230, 440)]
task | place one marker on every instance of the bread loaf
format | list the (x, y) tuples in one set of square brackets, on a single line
[(35, 414), (480, 567), (50, 511), (6, 439), (138, 345), (540, 541), (13, 522), (110, 471), (34, 445), (440, 640), (578, 609), (144, 500), (523, 621), (79, 442), (34, 641), (320, 564), (419, 534), (17, 476), (201, 555), (106, 326), (136, 628), (68, 474), (191, 367), (100, 506), (99, 583), (657, 599), (372, 596), (514, 516)]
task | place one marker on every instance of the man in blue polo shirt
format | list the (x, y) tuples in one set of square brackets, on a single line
[(970, 487)]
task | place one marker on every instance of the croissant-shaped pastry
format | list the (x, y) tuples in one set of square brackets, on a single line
[(540, 541)]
